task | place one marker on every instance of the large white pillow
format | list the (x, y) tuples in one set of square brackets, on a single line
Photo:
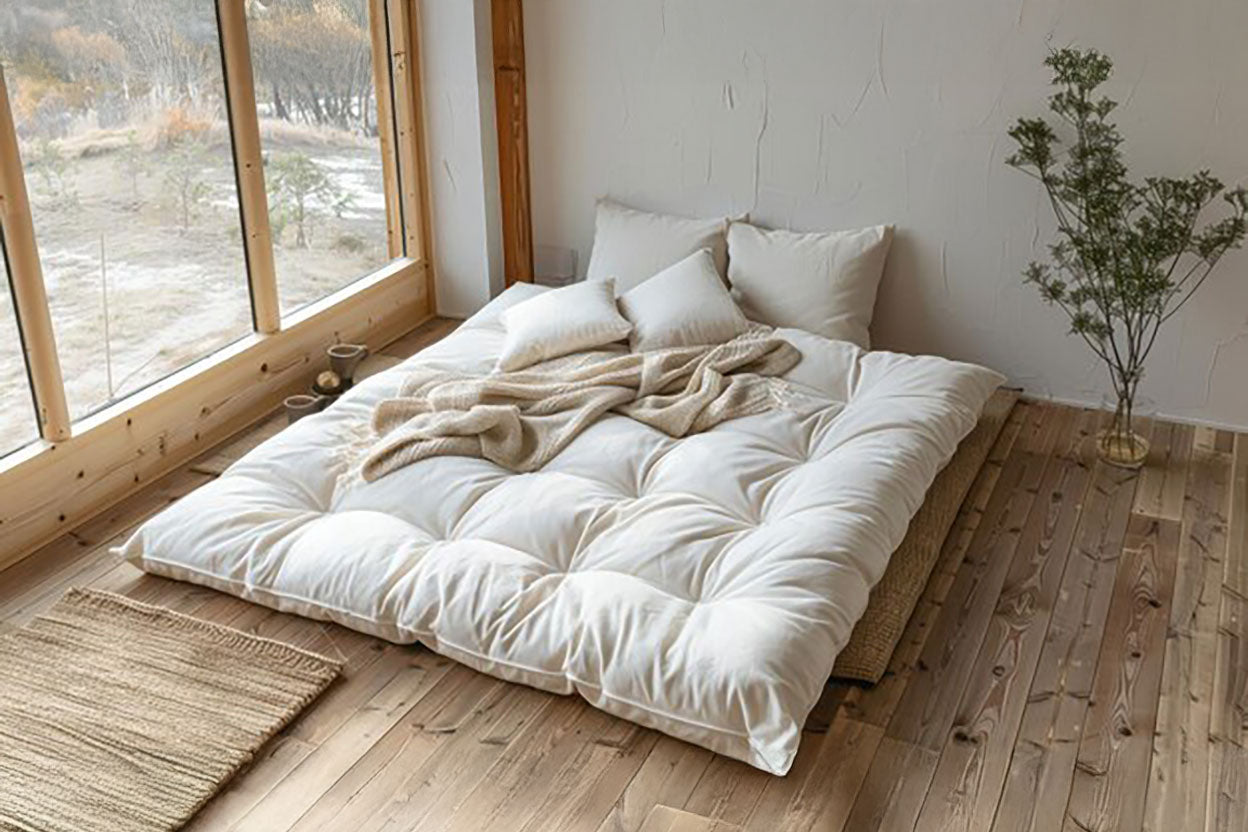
[(630, 245), (566, 320), (824, 283), (684, 305)]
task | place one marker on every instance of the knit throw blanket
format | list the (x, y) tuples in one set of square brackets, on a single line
[(520, 420)]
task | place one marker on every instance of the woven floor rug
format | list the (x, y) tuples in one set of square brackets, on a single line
[(116, 715)]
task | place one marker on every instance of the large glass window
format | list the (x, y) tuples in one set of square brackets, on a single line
[(127, 139), (124, 135), (317, 105), (18, 425)]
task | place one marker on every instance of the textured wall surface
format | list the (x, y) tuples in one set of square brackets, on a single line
[(457, 72), (815, 114)]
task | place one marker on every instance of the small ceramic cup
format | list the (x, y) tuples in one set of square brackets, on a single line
[(302, 404), (343, 360)]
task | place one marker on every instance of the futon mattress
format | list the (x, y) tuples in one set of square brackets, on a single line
[(701, 586)]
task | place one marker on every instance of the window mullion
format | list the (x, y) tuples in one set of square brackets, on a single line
[(377, 27), (249, 164), (30, 298), (404, 58)]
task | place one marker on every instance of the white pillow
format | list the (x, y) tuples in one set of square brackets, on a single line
[(823, 283), (630, 245), (684, 305), (561, 321)]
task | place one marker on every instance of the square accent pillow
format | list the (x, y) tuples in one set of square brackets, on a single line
[(824, 283), (684, 305), (631, 245), (565, 320)]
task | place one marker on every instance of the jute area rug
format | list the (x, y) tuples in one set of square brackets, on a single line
[(866, 655), (117, 716)]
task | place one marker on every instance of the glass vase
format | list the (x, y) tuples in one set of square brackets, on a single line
[(1121, 442)]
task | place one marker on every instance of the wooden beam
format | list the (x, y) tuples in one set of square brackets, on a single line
[(30, 298), (418, 164), (384, 93), (511, 109), (249, 165), (48, 489)]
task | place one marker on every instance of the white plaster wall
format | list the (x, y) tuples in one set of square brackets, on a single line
[(816, 114), (462, 146)]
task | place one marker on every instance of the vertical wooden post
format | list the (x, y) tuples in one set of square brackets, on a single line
[(377, 29), (405, 60), (511, 109), (249, 164), (30, 298)]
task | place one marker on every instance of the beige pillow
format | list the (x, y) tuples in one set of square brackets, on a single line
[(631, 245), (684, 305), (824, 283), (562, 321)]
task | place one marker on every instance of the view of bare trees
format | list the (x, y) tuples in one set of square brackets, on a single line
[(313, 62), (106, 60), (124, 134)]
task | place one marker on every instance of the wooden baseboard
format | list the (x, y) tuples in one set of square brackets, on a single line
[(51, 488)]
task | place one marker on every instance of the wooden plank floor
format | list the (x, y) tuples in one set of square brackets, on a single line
[(1078, 662)]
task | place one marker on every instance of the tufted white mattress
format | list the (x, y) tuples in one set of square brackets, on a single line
[(701, 586)]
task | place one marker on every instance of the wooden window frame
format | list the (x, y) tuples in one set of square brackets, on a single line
[(30, 298), (77, 470)]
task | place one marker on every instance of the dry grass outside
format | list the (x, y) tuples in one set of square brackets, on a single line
[(121, 115), (131, 221)]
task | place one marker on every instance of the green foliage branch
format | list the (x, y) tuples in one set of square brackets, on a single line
[(185, 171), (299, 190), (1128, 255)]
